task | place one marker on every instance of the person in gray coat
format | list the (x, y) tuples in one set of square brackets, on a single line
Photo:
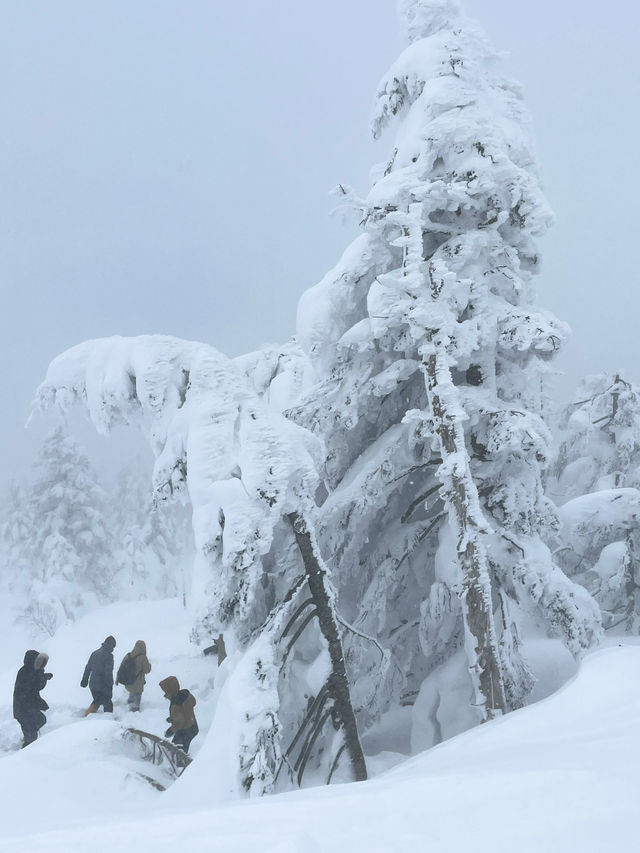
[(98, 676)]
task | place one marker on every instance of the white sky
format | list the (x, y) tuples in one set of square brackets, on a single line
[(164, 167)]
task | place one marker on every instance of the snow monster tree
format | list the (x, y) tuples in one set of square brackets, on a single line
[(429, 359), (251, 477)]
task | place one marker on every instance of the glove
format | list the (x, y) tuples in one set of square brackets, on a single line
[(168, 732), (83, 683)]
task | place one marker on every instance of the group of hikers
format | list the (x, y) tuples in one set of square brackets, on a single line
[(29, 706)]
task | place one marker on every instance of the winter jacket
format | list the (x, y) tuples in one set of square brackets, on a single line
[(181, 715), (143, 667), (98, 672), (29, 682)]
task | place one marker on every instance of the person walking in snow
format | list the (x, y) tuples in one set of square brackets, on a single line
[(28, 705), (184, 726), (98, 675), (131, 673)]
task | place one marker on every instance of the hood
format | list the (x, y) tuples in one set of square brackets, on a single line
[(41, 661), (30, 657), (170, 686), (139, 648), (110, 643)]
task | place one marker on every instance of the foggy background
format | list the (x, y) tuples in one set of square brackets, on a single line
[(165, 167)]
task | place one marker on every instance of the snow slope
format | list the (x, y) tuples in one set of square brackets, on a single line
[(561, 775)]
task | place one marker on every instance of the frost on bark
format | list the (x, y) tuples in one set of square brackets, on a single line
[(461, 496)]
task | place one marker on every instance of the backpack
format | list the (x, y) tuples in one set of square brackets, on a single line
[(127, 670)]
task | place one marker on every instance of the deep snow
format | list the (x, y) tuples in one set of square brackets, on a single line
[(560, 775)]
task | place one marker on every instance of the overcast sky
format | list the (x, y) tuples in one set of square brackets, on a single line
[(165, 167)]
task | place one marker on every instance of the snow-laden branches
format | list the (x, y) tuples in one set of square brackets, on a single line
[(244, 465)]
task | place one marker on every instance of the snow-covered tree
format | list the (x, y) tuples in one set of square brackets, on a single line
[(15, 530), (152, 539), (258, 575), (429, 358), (58, 541), (600, 438), (596, 479)]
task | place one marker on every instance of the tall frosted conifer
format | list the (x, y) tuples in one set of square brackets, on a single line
[(429, 359)]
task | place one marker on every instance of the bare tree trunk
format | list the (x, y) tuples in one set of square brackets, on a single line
[(461, 495), (338, 683)]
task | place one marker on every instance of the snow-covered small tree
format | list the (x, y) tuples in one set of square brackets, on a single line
[(59, 541), (429, 358), (152, 539), (16, 527), (596, 479)]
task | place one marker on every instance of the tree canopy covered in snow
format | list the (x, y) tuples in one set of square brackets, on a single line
[(430, 358), (368, 502)]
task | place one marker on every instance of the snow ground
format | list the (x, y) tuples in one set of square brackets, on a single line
[(560, 775)]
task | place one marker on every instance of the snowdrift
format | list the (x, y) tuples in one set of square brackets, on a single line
[(557, 776)]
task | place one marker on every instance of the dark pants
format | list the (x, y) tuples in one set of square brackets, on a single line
[(183, 737), (101, 698), (31, 722)]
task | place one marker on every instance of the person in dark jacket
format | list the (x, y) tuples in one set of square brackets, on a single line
[(98, 675), (184, 726), (28, 705)]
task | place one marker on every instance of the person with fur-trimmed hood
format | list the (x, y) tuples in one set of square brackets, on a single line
[(137, 662), (98, 675), (28, 704), (184, 726)]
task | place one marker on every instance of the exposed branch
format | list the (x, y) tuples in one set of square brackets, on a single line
[(334, 765), (373, 640), (310, 744), (417, 501), (297, 634), (295, 615)]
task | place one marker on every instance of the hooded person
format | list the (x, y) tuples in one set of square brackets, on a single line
[(132, 671), (28, 705), (184, 726), (98, 676)]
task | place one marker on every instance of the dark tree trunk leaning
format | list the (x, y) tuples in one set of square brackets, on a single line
[(338, 683)]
